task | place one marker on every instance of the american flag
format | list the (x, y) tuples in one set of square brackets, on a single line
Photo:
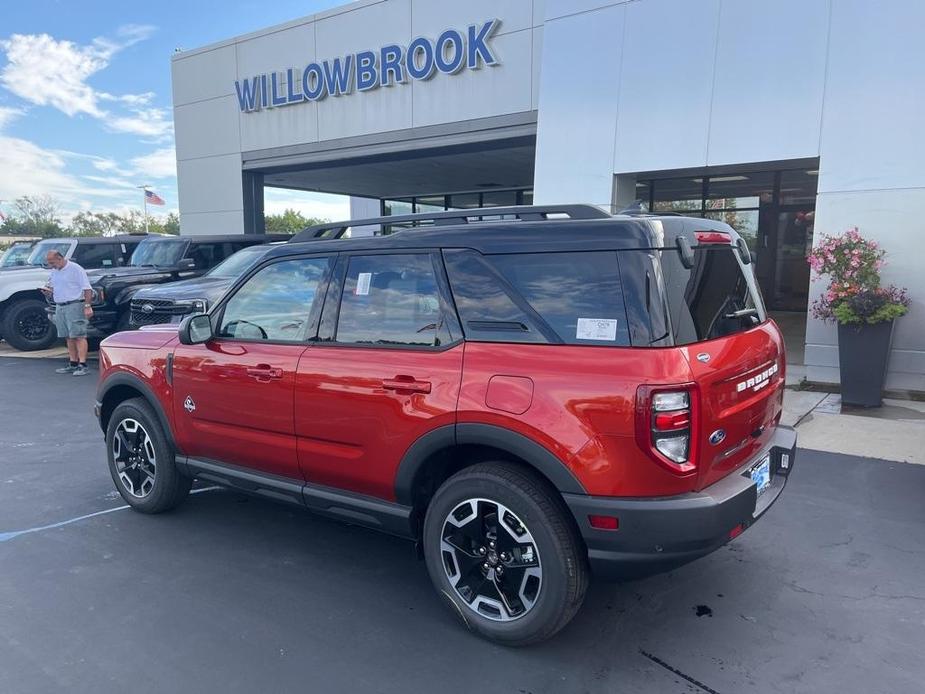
[(153, 198)]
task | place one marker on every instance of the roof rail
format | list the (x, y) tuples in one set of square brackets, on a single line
[(525, 213)]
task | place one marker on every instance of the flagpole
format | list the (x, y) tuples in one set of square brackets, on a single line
[(144, 202)]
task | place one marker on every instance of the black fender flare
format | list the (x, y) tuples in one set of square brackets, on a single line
[(132, 381), (534, 454)]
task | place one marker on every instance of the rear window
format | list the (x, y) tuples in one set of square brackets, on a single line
[(574, 298), (716, 297)]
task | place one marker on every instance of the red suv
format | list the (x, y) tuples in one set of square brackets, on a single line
[(534, 397)]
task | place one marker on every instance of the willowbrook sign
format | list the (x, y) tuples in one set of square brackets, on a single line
[(451, 52)]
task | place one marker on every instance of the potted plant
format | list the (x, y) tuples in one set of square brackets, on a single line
[(863, 309)]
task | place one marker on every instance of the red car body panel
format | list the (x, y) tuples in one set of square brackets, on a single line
[(354, 420), (328, 419)]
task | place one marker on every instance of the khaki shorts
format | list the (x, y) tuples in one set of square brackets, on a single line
[(70, 320)]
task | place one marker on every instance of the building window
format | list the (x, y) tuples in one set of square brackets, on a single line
[(451, 201)]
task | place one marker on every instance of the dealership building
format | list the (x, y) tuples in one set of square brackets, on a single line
[(787, 119)]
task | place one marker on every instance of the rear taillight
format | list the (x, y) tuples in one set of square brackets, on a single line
[(666, 419), (712, 237)]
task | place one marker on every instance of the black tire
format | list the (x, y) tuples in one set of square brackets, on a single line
[(26, 326), (168, 487), (560, 553)]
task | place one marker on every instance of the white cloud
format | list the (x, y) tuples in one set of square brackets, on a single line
[(161, 163), (8, 115), (49, 72), (321, 205)]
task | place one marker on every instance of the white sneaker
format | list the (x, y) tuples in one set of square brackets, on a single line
[(80, 371), (65, 369)]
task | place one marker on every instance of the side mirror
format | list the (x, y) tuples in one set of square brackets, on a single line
[(194, 330), (186, 264)]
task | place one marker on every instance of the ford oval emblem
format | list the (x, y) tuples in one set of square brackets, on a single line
[(147, 308), (717, 437), (704, 357)]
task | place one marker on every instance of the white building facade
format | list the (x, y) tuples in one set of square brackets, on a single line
[(790, 120)]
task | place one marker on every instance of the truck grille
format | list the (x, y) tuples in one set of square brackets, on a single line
[(155, 311)]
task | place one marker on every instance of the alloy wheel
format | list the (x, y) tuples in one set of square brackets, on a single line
[(491, 560), (33, 325), (135, 458)]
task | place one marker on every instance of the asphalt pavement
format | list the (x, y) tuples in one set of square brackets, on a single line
[(236, 594)]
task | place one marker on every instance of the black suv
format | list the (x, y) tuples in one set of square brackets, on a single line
[(170, 303), (156, 261)]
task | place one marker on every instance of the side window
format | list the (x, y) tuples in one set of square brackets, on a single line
[(485, 306), (579, 295), (206, 255), (391, 300), (276, 304), (91, 256)]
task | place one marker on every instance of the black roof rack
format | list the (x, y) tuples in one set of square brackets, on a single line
[(525, 213)]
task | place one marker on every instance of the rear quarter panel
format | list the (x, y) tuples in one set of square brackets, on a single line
[(582, 408)]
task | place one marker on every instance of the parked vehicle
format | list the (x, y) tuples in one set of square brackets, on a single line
[(170, 303), (157, 261), (17, 255), (536, 399), (24, 322)]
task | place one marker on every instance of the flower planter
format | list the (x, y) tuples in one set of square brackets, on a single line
[(863, 353)]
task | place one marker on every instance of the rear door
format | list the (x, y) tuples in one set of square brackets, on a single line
[(385, 371), (736, 354)]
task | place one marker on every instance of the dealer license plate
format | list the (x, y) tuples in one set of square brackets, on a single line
[(761, 474)]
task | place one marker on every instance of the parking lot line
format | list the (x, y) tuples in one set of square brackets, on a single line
[(16, 533)]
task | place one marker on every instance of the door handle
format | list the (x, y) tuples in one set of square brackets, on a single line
[(406, 384), (264, 372)]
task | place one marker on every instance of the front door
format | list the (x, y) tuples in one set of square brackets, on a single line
[(386, 371), (233, 395)]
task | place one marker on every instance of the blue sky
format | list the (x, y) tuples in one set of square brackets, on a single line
[(85, 104)]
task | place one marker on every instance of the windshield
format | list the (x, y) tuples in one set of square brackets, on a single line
[(16, 255), (235, 265), (41, 249), (158, 252)]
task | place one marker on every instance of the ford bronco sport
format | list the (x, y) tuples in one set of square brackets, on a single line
[(548, 395)]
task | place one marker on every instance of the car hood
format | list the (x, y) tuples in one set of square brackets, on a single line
[(210, 288), (128, 272)]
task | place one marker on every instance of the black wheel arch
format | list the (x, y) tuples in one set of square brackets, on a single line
[(447, 449), (118, 388)]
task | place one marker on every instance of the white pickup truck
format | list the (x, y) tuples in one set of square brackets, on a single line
[(23, 320)]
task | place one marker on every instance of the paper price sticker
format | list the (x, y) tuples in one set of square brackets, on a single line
[(363, 280), (596, 329)]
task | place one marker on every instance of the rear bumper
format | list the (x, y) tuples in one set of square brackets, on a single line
[(658, 534)]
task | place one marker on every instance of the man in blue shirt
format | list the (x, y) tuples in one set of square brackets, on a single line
[(71, 292)]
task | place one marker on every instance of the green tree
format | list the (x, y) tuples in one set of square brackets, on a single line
[(96, 224), (289, 222), (34, 215), (171, 224)]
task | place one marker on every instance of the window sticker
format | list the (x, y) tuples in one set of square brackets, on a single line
[(596, 329), (363, 281)]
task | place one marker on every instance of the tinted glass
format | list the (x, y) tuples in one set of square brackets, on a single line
[(579, 295), (42, 248), (390, 300), (276, 303), (159, 252), (485, 306), (702, 300), (237, 264), (646, 313), (16, 255), (207, 255), (95, 255)]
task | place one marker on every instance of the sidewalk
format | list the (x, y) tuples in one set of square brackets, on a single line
[(893, 432)]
